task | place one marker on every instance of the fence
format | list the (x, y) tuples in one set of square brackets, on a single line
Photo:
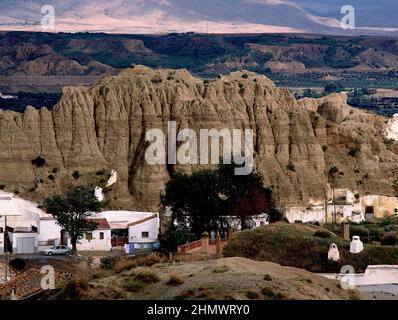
[(189, 246)]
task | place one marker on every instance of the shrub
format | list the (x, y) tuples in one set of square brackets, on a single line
[(245, 76), (18, 264), (291, 167), (39, 162), (175, 280), (51, 177), (267, 277), (322, 234), (55, 170), (221, 269), (124, 265), (353, 152), (185, 294), (148, 260), (133, 285), (252, 295), (333, 170), (107, 263), (156, 80), (76, 175), (147, 276), (268, 292), (390, 239)]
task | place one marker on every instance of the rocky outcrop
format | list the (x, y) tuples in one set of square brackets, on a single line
[(103, 127)]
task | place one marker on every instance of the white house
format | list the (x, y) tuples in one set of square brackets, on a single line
[(50, 233), (23, 220), (145, 230), (30, 229), (99, 239)]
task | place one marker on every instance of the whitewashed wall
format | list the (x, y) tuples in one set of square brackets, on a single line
[(96, 244), (48, 230), (151, 226)]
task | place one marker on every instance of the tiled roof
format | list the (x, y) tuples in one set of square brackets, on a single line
[(102, 223), (143, 220)]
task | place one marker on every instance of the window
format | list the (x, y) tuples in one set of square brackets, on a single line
[(101, 236), (145, 234), (89, 235)]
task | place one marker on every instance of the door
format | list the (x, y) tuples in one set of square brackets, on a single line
[(369, 213), (26, 245)]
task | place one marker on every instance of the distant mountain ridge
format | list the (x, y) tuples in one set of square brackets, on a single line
[(213, 16)]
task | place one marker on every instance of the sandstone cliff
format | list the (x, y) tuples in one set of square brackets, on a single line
[(103, 127)]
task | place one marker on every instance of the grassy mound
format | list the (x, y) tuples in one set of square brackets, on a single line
[(305, 246)]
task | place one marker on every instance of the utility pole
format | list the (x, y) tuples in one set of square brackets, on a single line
[(6, 247), (334, 208)]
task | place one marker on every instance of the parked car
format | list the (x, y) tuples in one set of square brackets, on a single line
[(58, 250)]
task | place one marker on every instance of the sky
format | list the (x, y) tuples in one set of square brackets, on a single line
[(212, 16)]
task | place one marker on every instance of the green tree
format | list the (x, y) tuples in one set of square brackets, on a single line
[(202, 201), (73, 211), (195, 200), (334, 87), (246, 195)]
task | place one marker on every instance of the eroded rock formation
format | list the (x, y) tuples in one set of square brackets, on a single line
[(103, 127)]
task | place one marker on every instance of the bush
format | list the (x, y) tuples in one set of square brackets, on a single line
[(291, 167), (107, 263), (353, 152), (148, 260), (390, 239), (175, 280), (18, 264), (322, 234), (147, 276), (268, 292), (124, 265), (252, 295), (133, 285), (267, 277), (51, 177), (39, 162), (221, 269), (76, 175)]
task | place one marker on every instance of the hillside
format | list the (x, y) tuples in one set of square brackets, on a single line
[(306, 246), (96, 129), (294, 60), (222, 279)]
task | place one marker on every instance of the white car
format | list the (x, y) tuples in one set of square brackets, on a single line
[(58, 250)]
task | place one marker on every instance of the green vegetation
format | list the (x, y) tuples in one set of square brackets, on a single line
[(299, 245), (73, 211), (204, 199)]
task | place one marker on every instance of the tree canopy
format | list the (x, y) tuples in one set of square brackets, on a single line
[(203, 200), (73, 211)]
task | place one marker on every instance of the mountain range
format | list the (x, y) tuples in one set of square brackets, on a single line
[(204, 16)]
